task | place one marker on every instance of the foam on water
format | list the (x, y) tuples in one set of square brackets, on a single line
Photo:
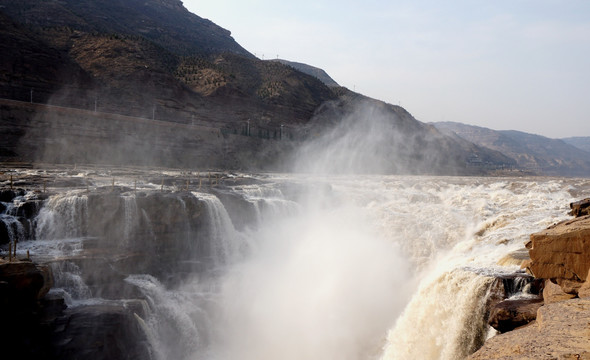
[(223, 237), (365, 267), (63, 216)]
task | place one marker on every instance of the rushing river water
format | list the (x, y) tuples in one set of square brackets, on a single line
[(364, 267)]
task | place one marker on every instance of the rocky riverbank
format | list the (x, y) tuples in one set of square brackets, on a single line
[(557, 326)]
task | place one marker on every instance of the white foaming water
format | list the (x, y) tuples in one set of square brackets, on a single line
[(15, 229), (67, 276), (371, 267), (320, 285), (63, 216), (177, 326), (269, 202), (131, 214), (328, 283), (224, 240)]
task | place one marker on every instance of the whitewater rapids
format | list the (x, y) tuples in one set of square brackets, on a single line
[(364, 267)]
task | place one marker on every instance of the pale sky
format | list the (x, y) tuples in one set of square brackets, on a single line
[(502, 64)]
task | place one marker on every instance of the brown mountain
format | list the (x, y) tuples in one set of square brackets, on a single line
[(147, 82), (166, 23)]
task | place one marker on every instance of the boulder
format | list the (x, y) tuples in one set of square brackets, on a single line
[(23, 283), (510, 314), (580, 208), (562, 252)]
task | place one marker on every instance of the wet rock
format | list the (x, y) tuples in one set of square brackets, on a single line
[(23, 283), (7, 195), (5, 231), (580, 208), (29, 209), (506, 286), (510, 314), (100, 332), (241, 211)]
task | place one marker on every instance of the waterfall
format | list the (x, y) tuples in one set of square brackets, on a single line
[(131, 218), (178, 326), (14, 224), (270, 203), (223, 238), (320, 285), (63, 216), (67, 277), (444, 320), (348, 268), (14, 228)]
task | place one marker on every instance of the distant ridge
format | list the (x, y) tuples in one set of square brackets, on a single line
[(535, 153), (310, 70), (581, 142)]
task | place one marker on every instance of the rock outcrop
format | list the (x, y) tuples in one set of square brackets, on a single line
[(562, 253), (560, 332)]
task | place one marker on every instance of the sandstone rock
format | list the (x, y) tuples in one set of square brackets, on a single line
[(560, 332), (510, 314), (580, 208), (562, 252), (584, 290), (553, 293)]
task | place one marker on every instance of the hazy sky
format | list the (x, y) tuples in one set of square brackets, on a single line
[(503, 64)]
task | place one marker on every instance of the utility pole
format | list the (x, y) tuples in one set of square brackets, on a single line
[(95, 103), (31, 95), (248, 128), (281, 133), (154, 112)]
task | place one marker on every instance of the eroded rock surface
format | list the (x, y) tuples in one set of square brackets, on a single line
[(562, 252), (561, 331)]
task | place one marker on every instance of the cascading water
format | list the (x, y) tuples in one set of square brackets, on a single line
[(222, 234), (366, 267), (269, 203), (131, 217), (63, 216)]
